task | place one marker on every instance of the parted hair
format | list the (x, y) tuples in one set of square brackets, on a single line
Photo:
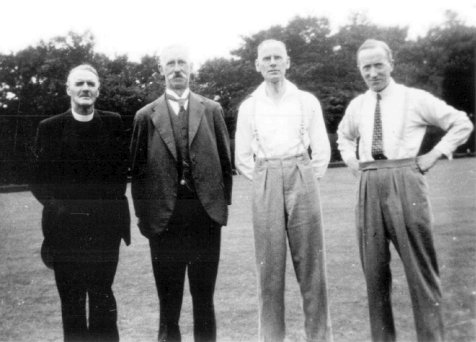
[(374, 43)]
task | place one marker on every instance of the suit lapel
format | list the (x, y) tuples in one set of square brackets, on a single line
[(196, 112), (161, 120)]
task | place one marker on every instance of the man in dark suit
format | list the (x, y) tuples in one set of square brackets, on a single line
[(181, 186), (80, 178)]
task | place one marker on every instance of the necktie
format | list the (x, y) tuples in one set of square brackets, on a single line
[(181, 103), (377, 144)]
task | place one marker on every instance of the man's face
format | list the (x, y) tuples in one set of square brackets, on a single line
[(176, 67), (83, 88), (272, 62), (375, 68)]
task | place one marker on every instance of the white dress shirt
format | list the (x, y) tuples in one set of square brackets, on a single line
[(174, 104), (279, 129), (406, 113)]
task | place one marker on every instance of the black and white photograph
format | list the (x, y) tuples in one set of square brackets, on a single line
[(235, 171)]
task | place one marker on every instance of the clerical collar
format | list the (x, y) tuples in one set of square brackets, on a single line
[(174, 95), (82, 118)]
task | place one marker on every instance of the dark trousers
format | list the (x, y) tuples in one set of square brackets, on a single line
[(78, 278), (394, 207), (190, 244)]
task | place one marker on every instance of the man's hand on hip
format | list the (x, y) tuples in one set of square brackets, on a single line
[(426, 161), (353, 165)]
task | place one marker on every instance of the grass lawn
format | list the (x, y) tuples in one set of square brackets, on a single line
[(30, 308)]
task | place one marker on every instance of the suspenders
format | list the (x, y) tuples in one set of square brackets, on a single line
[(302, 128)]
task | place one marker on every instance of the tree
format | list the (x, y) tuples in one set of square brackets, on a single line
[(229, 82), (33, 88), (31, 79), (323, 62), (446, 67)]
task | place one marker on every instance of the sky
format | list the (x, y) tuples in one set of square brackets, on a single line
[(210, 28)]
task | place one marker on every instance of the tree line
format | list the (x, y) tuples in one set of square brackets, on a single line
[(323, 62)]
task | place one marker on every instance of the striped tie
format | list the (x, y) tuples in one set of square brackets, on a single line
[(377, 144)]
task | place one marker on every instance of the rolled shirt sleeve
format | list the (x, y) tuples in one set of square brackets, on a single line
[(406, 114), (454, 122)]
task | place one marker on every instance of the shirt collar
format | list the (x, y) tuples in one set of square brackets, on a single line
[(184, 96), (290, 89), (82, 118), (387, 90)]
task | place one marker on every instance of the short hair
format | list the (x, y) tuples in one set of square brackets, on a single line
[(374, 43), (87, 67), (271, 41), (182, 47)]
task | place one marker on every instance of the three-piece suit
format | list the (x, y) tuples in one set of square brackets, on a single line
[(181, 187)]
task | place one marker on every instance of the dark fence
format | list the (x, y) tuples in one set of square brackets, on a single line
[(17, 135)]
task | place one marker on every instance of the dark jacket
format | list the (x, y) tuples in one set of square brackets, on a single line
[(154, 162), (93, 185)]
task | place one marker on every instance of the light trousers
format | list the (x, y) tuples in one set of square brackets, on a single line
[(394, 207), (286, 207)]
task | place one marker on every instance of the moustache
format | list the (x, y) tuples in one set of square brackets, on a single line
[(177, 74)]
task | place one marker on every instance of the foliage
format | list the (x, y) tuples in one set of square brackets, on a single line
[(323, 62), (33, 87), (229, 82)]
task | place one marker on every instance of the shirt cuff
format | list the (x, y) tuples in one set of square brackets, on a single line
[(347, 159)]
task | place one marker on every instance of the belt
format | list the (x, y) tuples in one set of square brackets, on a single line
[(387, 164)]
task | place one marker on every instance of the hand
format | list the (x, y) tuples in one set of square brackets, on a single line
[(426, 161), (353, 165), (145, 229)]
